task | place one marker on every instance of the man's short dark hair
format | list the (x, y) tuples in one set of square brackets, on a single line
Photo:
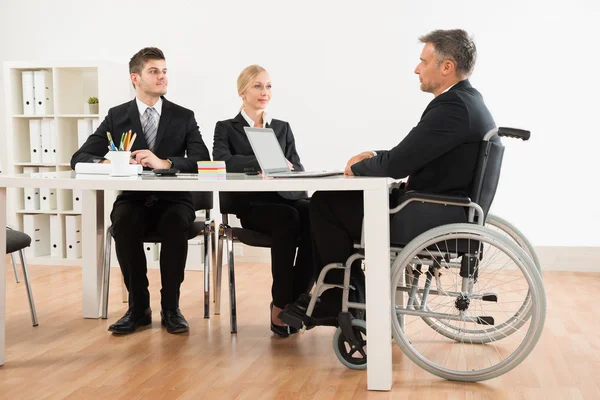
[(455, 45), (139, 59)]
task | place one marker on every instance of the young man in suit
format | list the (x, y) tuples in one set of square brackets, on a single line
[(167, 137), (438, 155)]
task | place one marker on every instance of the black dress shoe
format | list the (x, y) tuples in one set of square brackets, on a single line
[(131, 320), (174, 320), (280, 330), (294, 315)]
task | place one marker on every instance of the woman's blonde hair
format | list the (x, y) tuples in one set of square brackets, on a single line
[(246, 78)]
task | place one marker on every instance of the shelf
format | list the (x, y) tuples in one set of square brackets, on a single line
[(30, 164), (70, 212), (34, 116), (78, 116), (51, 212), (64, 164)]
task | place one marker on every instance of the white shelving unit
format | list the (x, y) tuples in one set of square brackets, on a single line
[(72, 83)]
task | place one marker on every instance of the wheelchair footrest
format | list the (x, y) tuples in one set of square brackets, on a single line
[(485, 321), (490, 297)]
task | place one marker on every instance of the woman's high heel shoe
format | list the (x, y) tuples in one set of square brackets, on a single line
[(280, 330)]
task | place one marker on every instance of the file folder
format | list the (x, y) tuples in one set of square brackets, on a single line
[(73, 236), (28, 93), (84, 130), (95, 125), (57, 240), (35, 140), (42, 87), (38, 227), (47, 199), (77, 201), (48, 141), (32, 199), (151, 250)]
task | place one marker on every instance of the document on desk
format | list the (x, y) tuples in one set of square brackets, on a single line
[(105, 169)]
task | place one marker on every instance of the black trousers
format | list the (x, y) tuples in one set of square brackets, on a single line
[(288, 224), (336, 221), (131, 221)]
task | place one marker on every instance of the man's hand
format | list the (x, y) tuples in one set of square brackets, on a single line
[(148, 159), (290, 164), (354, 160)]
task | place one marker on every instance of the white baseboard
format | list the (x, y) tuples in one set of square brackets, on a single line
[(552, 258), (566, 258)]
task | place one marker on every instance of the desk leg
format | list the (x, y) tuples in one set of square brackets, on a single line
[(2, 273), (377, 262), (92, 237)]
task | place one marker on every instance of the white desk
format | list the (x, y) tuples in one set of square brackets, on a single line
[(379, 374)]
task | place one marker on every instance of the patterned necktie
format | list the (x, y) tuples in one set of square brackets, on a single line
[(150, 126)]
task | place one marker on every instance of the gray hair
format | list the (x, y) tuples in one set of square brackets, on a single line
[(455, 45)]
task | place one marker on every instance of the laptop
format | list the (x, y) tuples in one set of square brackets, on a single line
[(271, 158)]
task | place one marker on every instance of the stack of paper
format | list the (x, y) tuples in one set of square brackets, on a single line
[(211, 169), (105, 169)]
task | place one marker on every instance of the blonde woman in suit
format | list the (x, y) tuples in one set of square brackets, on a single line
[(284, 216)]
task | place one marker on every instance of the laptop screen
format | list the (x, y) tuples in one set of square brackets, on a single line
[(267, 150)]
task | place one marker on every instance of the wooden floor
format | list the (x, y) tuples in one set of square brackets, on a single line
[(67, 356)]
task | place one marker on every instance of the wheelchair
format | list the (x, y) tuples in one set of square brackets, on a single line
[(468, 302)]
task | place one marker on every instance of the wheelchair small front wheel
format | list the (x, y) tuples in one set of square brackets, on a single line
[(353, 357)]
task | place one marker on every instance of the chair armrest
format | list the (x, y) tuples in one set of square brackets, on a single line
[(411, 196)]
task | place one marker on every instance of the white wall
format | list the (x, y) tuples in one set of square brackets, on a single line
[(343, 77)]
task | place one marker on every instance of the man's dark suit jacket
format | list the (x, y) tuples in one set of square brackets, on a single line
[(232, 146), (439, 155), (177, 136)]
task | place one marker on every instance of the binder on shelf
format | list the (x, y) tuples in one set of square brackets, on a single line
[(35, 140), (151, 250), (48, 141), (28, 93), (32, 199), (84, 130), (38, 227), (73, 236), (57, 240), (42, 87), (95, 125), (77, 201), (47, 199)]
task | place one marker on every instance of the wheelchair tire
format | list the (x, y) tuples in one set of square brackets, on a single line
[(516, 235), (345, 353), (522, 315), (457, 359)]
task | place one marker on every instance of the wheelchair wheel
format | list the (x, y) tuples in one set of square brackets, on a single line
[(353, 358), (509, 229), (510, 325), (487, 308)]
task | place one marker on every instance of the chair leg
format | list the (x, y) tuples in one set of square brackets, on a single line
[(207, 236), (213, 243), (218, 273), (28, 286), (106, 275), (14, 263), (232, 302)]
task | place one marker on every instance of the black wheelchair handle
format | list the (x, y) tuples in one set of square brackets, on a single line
[(514, 133)]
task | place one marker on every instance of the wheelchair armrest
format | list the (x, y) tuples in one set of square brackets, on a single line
[(411, 196)]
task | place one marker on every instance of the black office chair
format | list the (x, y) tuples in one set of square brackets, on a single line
[(248, 237), (202, 201), (17, 241)]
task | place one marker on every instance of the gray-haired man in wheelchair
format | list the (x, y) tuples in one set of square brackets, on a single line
[(438, 155), (454, 327)]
